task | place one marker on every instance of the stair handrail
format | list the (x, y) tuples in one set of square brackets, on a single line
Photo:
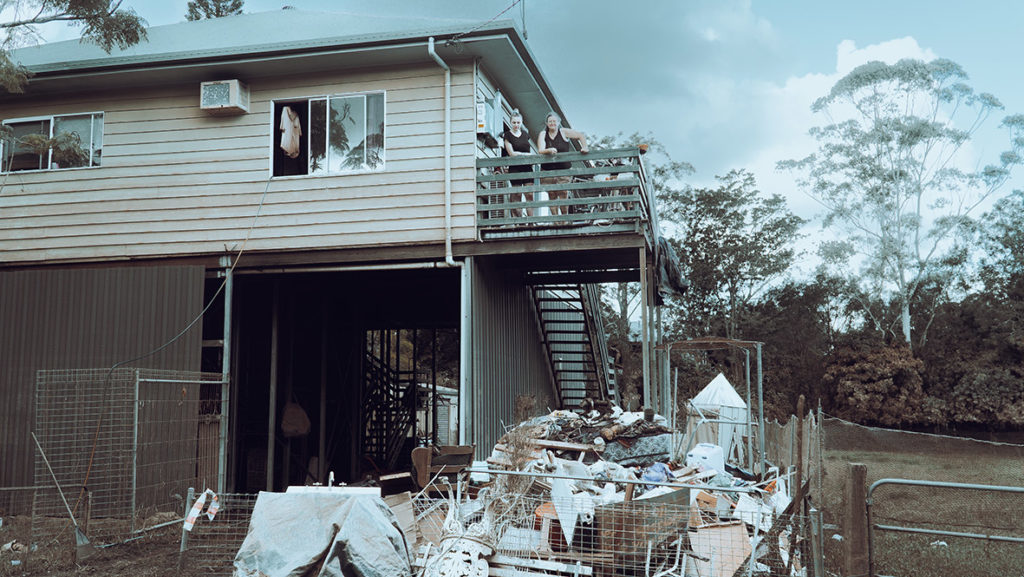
[(598, 340)]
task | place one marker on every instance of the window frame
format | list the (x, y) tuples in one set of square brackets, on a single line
[(275, 133), (95, 161)]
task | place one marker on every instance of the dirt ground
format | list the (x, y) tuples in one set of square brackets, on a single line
[(151, 556)]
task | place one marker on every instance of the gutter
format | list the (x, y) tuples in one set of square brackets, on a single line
[(448, 258)]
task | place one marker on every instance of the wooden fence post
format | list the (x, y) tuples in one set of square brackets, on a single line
[(855, 522)]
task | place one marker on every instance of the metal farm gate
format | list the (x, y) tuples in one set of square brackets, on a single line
[(923, 528), (125, 446)]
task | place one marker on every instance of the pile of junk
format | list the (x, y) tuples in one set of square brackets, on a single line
[(601, 491)]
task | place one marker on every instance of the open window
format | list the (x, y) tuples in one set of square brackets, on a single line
[(52, 142), (329, 135)]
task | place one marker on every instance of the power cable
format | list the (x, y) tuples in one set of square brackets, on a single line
[(454, 39), (106, 380)]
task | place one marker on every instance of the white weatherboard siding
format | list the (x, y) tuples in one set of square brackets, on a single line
[(176, 181)]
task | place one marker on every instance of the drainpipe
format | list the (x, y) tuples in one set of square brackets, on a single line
[(447, 152)]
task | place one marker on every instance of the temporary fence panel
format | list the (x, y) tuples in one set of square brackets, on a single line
[(124, 445), (211, 544), (535, 535)]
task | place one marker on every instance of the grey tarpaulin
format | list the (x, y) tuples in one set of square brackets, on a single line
[(669, 275), (322, 534)]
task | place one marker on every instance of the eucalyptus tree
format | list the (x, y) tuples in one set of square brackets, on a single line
[(204, 9), (893, 172), (104, 22)]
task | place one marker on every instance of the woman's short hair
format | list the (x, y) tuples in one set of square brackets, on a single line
[(554, 115)]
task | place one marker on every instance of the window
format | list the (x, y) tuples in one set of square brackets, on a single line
[(52, 142), (329, 134)]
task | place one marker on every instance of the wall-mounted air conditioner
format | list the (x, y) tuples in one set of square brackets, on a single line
[(224, 97)]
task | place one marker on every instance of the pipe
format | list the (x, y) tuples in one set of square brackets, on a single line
[(465, 350), (225, 388), (447, 152), (272, 395), (760, 410)]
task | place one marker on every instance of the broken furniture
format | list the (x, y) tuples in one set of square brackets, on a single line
[(430, 464)]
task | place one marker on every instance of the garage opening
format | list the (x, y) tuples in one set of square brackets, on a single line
[(341, 372)]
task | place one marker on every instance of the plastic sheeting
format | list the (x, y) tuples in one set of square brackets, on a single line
[(321, 534), (718, 401)]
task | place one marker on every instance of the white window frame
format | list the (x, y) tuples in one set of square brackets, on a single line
[(307, 136), (52, 119)]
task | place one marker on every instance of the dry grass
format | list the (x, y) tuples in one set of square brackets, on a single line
[(946, 509)]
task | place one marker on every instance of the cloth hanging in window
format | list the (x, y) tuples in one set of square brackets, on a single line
[(291, 130)]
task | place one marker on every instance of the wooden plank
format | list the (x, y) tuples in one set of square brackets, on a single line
[(499, 559), (111, 189), (174, 248), (855, 521), (562, 445), (575, 171), (567, 157), (588, 185)]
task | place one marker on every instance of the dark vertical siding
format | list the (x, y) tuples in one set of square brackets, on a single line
[(508, 355), (86, 318)]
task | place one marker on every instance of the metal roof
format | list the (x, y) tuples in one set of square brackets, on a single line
[(289, 41), (276, 31)]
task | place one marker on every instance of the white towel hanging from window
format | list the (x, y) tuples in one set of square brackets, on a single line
[(291, 130)]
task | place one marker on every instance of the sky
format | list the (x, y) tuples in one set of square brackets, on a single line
[(723, 84)]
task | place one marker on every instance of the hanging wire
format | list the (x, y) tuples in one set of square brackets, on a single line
[(455, 39), (172, 340)]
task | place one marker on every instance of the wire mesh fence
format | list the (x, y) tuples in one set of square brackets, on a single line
[(123, 446), (211, 544), (537, 535), (891, 454)]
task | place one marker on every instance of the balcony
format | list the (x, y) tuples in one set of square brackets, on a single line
[(608, 192)]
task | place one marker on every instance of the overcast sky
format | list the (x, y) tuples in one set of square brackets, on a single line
[(722, 83)]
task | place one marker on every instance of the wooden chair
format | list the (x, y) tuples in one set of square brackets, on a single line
[(445, 460)]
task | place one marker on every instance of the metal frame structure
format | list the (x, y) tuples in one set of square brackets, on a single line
[(721, 343)]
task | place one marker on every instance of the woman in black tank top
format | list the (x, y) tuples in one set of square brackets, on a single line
[(553, 140), (517, 145)]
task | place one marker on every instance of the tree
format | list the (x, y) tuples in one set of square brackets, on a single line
[(104, 22), (876, 386), (203, 9), (799, 324), (620, 300), (1002, 267), (892, 177), (735, 241)]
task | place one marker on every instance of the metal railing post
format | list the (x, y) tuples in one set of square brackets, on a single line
[(189, 498)]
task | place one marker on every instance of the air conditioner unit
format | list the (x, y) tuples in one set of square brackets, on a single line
[(224, 97)]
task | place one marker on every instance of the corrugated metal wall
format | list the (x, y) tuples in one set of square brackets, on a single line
[(86, 318), (508, 356)]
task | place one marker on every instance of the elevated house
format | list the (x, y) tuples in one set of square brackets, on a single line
[(319, 199)]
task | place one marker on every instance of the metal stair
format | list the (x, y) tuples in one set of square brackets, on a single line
[(390, 410), (575, 342)]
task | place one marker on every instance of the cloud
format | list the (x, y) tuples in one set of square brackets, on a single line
[(848, 56)]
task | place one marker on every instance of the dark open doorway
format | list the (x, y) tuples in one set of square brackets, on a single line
[(339, 359)]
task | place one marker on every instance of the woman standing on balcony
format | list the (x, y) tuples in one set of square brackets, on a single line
[(551, 141), (517, 143)]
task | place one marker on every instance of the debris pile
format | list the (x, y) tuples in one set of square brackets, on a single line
[(598, 493)]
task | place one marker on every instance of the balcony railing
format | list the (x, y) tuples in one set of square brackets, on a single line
[(607, 191)]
